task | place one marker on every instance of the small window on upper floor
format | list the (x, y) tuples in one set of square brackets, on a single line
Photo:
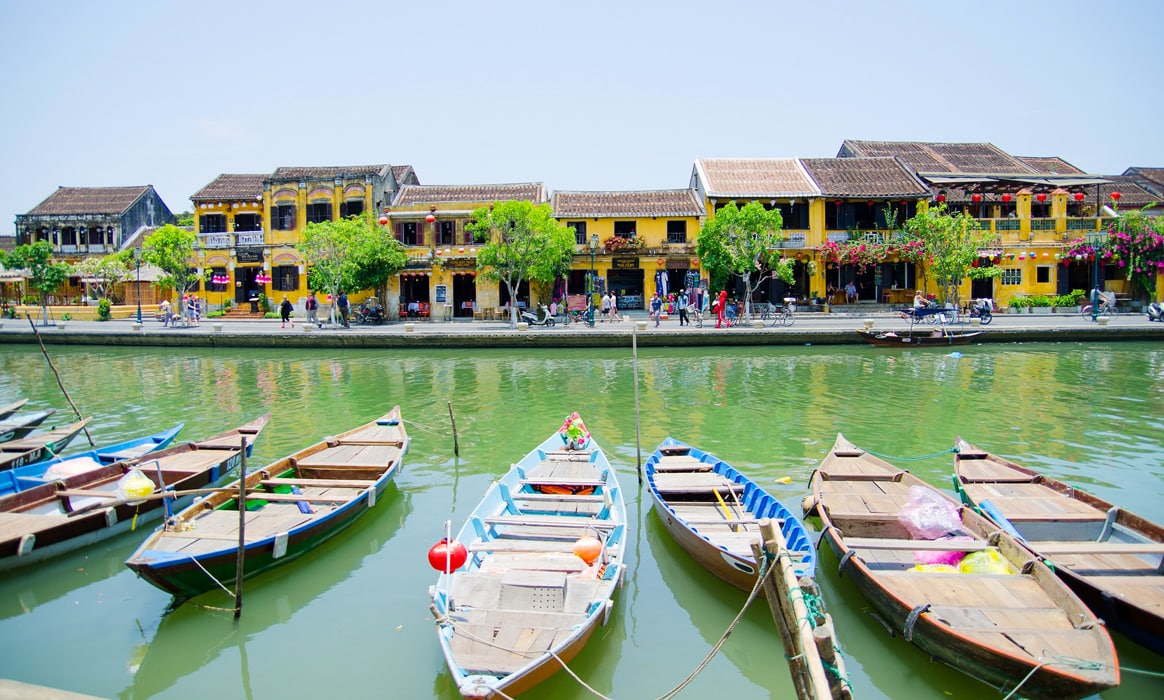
[(283, 217), (676, 231), (626, 229), (446, 232), (318, 213), (579, 231), (212, 223), (1043, 274), (248, 222), (408, 233), (352, 207)]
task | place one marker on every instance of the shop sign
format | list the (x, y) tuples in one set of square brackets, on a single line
[(618, 263), (467, 263), (249, 255), (249, 238), (677, 264)]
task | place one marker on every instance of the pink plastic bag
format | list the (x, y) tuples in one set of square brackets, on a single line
[(927, 515)]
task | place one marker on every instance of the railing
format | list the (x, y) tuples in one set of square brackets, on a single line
[(1042, 224), (793, 239), (837, 236)]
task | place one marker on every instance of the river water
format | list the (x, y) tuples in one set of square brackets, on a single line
[(351, 619)]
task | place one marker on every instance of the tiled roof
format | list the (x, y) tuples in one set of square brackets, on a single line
[(432, 194), (1051, 165), (1132, 194), (754, 177), (940, 157), (89, 200), (631, 203), (405, 175), (232, 188), (1149, 178), (328, 171), (864, 177)]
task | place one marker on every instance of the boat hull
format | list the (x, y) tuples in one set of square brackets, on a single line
[(908, 339)]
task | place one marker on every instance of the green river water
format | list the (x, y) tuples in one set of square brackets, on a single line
[(351, 619)]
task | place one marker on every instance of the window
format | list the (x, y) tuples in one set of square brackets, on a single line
[(212, 223), (626, 229), (446, 233), (579, 231), (318, 213), (1012, 276), (352, 207), (676, 231), (248, 222), (1043, 274), (408, 233), (283, 217), (68, 236), (285, 278)]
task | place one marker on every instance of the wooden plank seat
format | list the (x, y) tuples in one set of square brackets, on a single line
[(916, 545), (556, 498), (1052, 548), (861, 476), (681, 463), (292, 497), (535, 561), (975, 468), (322, 483), (547, 546), (565, 482), (695, 483), (561, 521)]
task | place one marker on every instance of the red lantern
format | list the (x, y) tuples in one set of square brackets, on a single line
[(941, 198), (588, 549), (869, 203), (383, 220), (837, 203), (1078, 196), (447, 556), (1006, 197), (695, 262), (661, 262), (976, 198), (1115, 196), (1042, 197), (430, 218)]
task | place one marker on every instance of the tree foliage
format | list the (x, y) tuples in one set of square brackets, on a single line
[(108, 270), (171, 249), (350, 254), (521, 241), (951, 244), (45, 276), (1135, 244), (742, 242)]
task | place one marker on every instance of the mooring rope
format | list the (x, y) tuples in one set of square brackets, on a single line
[(219, 583), (418, 425)]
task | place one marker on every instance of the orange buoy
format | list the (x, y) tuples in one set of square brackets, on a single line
[(447, 556), (588, 549)]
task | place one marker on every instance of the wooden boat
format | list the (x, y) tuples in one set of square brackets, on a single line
[(54, 517), (916, 337), (33, 475), (21, 424), (713, 512), (11, 408), (1024, 631), (293, 505), (35, 448), (523, 598), (1113, 559)]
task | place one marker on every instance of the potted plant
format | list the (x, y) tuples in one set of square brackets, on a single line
[(1019, 305), (1041, 304)]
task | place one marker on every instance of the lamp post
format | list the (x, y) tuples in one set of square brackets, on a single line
[(137, 260), (590, 280), (1095, 239)]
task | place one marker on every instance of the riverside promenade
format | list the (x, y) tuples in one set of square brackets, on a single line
[(809, 329)]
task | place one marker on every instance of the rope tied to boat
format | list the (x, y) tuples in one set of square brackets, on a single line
[(765, 572)]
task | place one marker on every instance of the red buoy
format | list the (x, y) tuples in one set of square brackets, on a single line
[(588, 549), (452, 555)]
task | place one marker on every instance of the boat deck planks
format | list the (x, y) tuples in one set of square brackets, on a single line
[(696, 483)]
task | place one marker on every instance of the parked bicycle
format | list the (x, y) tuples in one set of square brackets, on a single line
[(784, 314), (1107, 306), (695, 315)]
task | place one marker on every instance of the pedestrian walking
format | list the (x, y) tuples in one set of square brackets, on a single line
[(683, 301), (285, 309)]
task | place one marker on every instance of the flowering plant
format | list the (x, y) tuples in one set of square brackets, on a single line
[(865, 254), (1134, 242), (616, 244)]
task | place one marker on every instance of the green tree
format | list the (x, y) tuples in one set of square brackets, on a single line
[(743, 242), (108, 270), (521, 241), (1135, 244), (351, 254), (951, 244), (171, 249), (185, 219), (45, 276)]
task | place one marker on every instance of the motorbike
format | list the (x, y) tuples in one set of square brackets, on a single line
[(546, 319), (982, 309), (1156, 311), (372, 315)]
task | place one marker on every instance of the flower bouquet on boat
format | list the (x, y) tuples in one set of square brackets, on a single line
[(531, 574)]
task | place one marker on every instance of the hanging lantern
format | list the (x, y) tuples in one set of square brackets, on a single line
[(588, 549), (976, 198), (1042, 197), (383, 220), (837, 203), (1115, 196), (1078, 196), (447, 556), (661, 262), (1047, 255), (695, 262), (1022, 256), (430, 218), (869, 203), (941, 198), (1006, 197)]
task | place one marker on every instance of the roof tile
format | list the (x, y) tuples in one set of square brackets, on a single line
[(940, 157), (754, 177), (633, 203), (231, 187), (864, 177), (410, 195), (89, 200)]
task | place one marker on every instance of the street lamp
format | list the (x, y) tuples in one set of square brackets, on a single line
[(137, 259), (590, 280), (1095, 239)]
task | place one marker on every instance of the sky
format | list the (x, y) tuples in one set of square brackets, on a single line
[(599, 95)]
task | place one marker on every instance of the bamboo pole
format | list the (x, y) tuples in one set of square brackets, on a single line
[(58, 376), (761, 552), (638, 441), (240, 562), (456, 446)]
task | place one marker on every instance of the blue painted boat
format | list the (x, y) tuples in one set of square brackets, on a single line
[(39, 446), (544, 554), (32, 475), (713, 512)]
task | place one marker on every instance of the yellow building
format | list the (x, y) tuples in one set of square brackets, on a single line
[(636, 241)]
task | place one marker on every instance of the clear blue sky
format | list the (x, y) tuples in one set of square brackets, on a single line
[(595, 95)]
